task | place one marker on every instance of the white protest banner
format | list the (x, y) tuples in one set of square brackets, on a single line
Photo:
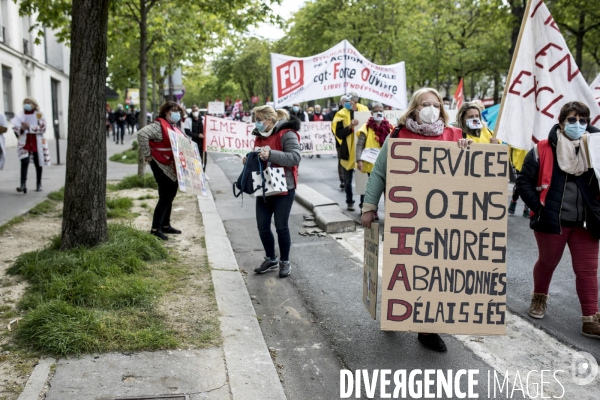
[(187, 164), (371, 269), (444, 257), (337, 71), (227, 136), (595, 86), (542, 78), (216, 108)]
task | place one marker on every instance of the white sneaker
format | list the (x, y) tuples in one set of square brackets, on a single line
[(206, 177)]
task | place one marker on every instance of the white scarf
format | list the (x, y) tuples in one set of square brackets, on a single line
[(569, 160), (270, 131)]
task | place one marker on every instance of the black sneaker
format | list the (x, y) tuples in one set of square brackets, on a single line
[(342, 185), (268, 265), (433, 342), (350, 207), (284, 269), (159, 235), (170, 229), (526, 212), (512, 207)]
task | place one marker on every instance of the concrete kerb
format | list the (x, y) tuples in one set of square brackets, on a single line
[(37, 380), (250, 368), (328, 214)]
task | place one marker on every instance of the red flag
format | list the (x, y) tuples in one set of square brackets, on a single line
[(459, 95)]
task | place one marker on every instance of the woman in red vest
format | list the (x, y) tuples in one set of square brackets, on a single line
[(279, 143), (155, 145), (558, 184), (425, 119)]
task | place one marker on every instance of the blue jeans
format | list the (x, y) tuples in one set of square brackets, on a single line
[(280, 206)]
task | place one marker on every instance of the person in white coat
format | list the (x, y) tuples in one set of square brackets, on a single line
[(30, 127), (3, 129)]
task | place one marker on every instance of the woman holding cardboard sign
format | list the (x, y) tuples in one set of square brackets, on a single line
[(425, 119), (370, 138), (155, 146), (557, 183)]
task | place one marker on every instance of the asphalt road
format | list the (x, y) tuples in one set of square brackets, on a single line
[(314, 321), (562, 318)]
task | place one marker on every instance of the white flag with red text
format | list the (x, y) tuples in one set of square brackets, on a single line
[(544, 78), (595, 86)]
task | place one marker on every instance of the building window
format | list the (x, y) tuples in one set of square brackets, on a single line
[(28, 86), (3, 21), (7, 92)]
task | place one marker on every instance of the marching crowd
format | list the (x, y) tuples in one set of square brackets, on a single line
[(555, 178)]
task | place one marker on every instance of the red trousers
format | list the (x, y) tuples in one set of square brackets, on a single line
[(584, 256)]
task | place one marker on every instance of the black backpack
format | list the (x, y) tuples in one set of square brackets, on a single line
[(244, 182)]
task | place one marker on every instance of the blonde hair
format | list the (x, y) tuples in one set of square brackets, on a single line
[(416, 100), (268, 112), (32, 101), (460, 116)]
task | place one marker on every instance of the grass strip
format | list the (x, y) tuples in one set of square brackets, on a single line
[(134, 181), (119, 207), (99, 299), (128, 156)]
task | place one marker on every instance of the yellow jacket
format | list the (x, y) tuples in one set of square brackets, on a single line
[(370, 143), (361, 107), (344, 116), (484, 136), (517, 156)]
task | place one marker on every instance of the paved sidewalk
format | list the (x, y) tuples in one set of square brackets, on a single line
[(240, 369), (53, 177)]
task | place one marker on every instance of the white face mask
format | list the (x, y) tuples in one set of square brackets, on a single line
[(428, 115), (474, 123), (378, 116), (195, 114)]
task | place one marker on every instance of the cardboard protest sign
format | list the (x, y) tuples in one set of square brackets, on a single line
[(216, 108), (371, 269), (187, 164), (444, 259), (227, 136), (317, 138), (337, 71), (542, 78)]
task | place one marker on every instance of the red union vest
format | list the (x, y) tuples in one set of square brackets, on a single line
[(162, 151), (274, 142)]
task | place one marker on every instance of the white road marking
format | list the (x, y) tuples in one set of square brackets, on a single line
[(524, 348)]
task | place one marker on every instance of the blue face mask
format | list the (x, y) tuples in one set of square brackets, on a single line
[(27, 107), (574, 131), (259, 125), (348, 105), (296, 108), (175, 117)]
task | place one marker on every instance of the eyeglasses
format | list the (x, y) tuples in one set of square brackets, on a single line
[(429, 104), (572, 120)]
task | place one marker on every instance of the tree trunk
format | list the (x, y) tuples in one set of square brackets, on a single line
[(497, 84), (84, 211), (579, 42), (143, 78), (517, 9), (154, 105)]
